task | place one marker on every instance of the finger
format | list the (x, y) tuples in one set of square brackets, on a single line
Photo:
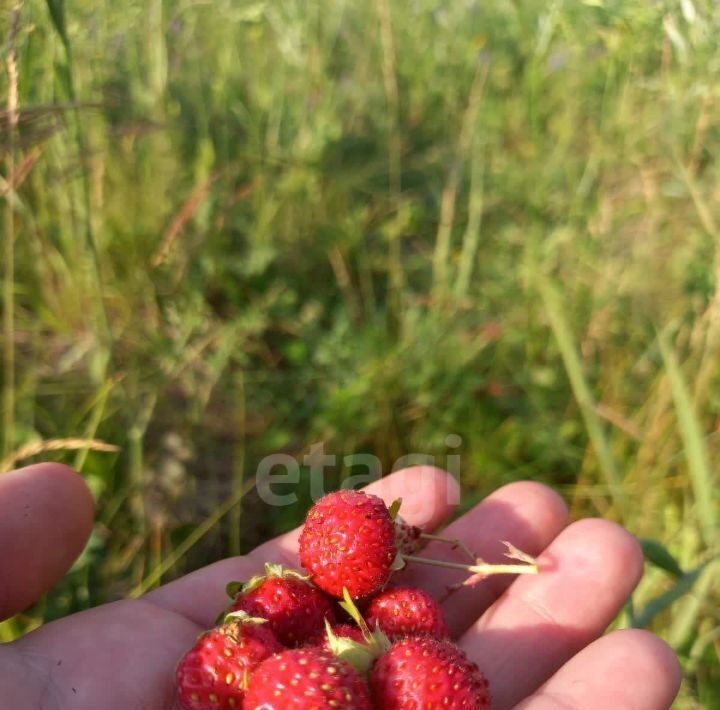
[(114, 656), (46, 515), (540, 622), (527, 514), (626, 669), (429, 496)]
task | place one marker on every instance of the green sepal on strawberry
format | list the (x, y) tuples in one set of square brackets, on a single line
[(295, 609), (214, 672), (343, 631), (306, 678), (412, 672), (359, 653)]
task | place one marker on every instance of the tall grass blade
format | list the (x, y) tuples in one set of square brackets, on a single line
[(684, 585), (441, 251), (694, 444), (471, 238), (56, 9), (8, 285), (656, 553), (581, 389), (238, 477), (97, 412), (57, 15), (688, 618), (191, 540)]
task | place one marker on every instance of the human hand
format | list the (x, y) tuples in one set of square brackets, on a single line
[(536, 638)]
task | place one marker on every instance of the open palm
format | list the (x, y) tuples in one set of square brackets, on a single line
[(538, 639)]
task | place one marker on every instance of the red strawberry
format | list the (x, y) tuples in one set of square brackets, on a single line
[(294, 608), (213, 673), (423, 672), (306, 678), (348, 540), (404, 611)]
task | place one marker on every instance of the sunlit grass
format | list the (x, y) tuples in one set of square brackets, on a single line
[(245, 228)]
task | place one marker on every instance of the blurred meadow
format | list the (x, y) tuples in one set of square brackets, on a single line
[(235, 228)]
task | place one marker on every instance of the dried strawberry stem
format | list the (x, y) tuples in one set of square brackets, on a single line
[(481, 568)]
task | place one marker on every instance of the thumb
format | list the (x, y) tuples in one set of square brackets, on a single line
[(46, 515)]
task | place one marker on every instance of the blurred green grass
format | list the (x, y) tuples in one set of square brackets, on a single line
[(247, 227)]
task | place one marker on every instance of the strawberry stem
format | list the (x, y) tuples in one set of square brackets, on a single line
[(453, 542), (481, 568)]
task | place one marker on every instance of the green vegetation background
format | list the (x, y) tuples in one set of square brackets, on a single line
[(238, 228)]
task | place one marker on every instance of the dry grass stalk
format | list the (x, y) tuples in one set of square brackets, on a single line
[(180, 221), (34, 448), (8, 398), (21, 173)]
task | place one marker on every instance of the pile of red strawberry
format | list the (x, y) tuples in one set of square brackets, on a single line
[(288, 642)]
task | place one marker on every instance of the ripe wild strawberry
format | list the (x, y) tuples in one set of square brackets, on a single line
[(213, 673), (295, 610), (306, 678), (348, 540), (423, 672), (404, 611)]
